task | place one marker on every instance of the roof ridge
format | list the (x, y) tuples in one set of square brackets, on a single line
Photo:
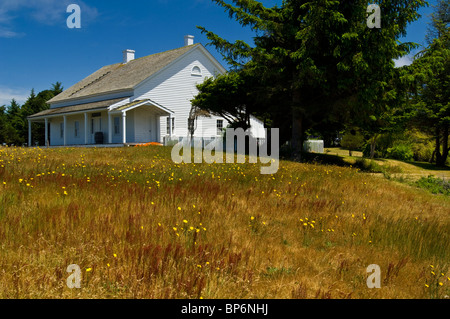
[(147, 56)]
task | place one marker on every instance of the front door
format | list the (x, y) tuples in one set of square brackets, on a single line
[(96, 126), (152, 129)]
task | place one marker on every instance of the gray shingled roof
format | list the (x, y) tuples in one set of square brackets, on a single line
[(119, 76), (77, 108)]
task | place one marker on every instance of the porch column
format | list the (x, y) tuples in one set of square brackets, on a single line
[(29, 133), (124, 127), (86, 124), (65, 130), (110, 130), (170, 126), (46, 133), (158, 129)]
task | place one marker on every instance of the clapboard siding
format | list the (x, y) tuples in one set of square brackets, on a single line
[(175, 86), (145, 125)]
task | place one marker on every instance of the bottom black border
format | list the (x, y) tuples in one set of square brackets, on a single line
[(223, 308)]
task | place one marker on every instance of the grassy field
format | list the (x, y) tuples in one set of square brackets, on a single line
[(140, 226), (405, 170)]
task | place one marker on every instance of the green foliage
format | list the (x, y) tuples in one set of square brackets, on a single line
[(352, 140), (440, 19), (13, 120), (422, 145), (318, 58), (384, 141), (368, 165), (226, 96), (14, 125), (402, 152), (434, 185), (429, 77), (389, 145), (423, 152)]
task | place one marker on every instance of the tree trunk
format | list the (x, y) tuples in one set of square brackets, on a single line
[(373, 144), (432, 157), (297, 136), (438, 147), (297, 127), (445, 143), (442, 158), (349, 152)]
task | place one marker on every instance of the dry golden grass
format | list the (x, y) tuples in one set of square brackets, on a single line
[(140, 226), (342, 152)]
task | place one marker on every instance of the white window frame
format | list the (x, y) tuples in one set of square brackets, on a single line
[(196, 71), (219, 128), (168, 127)]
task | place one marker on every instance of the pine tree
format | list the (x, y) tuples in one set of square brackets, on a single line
[(14, 124), (430, 76), (319, 55), (35, 104)]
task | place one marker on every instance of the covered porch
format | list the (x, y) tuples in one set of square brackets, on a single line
[(100, 123)]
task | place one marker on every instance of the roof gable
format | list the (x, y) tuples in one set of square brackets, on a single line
[(121, 77)]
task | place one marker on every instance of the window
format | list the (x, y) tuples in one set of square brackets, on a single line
[(196, 71), (116, 125), (77, 128), (61, 130), (92, 126), (219, 127), (168, 125)]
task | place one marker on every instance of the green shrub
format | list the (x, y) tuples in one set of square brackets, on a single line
[(371, 166), (434, 185), (384, 141), (352, 140), (423, 151), (367, 165), (422, 145), (379, 153), (401, 152)]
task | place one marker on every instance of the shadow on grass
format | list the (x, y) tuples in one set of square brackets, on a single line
[(364, 164), (325, 159), (429, 166)]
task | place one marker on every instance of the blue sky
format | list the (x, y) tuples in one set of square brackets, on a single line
[(38, 49)]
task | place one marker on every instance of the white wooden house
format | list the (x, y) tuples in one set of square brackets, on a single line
[(135, 100)]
